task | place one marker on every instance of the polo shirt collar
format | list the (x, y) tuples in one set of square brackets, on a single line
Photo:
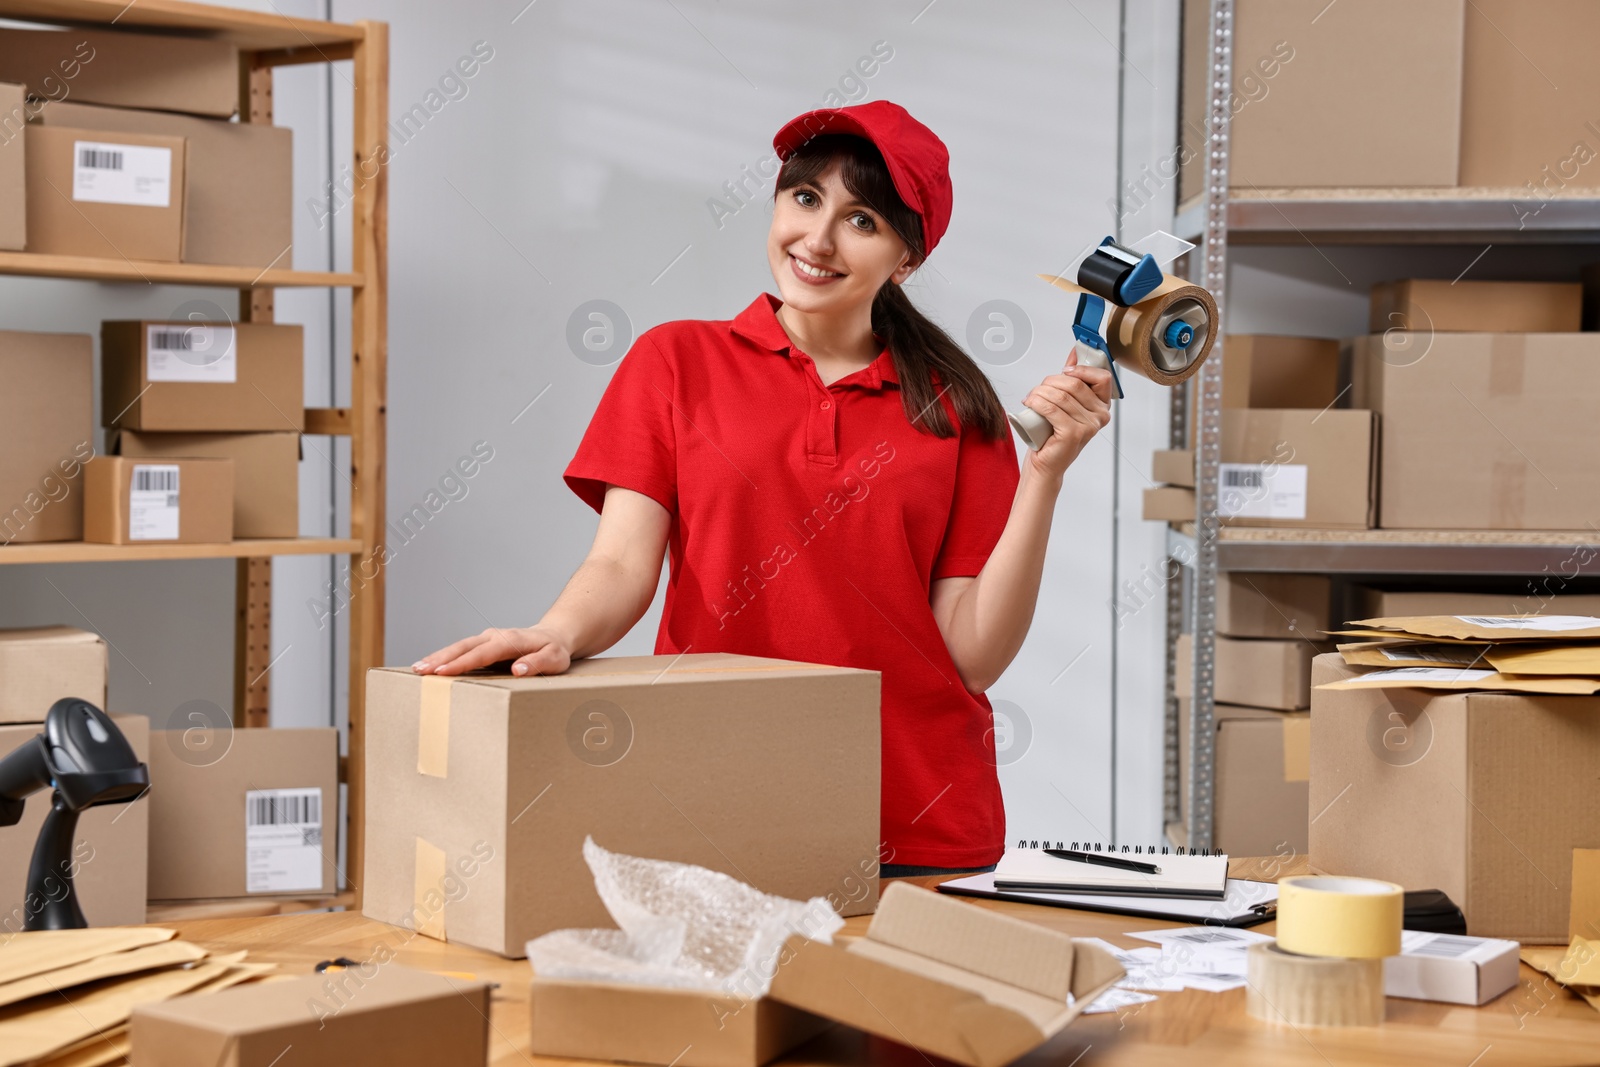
[(759, 324)]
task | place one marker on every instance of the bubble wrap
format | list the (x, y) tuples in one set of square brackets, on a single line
[(681, 926)]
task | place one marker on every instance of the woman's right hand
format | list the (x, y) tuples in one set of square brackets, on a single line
[(539, 651)]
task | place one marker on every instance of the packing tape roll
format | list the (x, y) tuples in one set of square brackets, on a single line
[(1349, 918), (1136, 334), (1312, 990)]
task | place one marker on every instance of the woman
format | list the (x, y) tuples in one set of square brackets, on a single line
[(836, 482)]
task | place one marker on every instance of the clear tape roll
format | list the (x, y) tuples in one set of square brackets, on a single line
[(1312, 990), (1349, 918)]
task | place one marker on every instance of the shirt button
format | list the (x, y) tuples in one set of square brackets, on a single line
[(826, 404)]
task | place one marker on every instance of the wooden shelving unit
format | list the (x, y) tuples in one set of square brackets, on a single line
[(267, 41)]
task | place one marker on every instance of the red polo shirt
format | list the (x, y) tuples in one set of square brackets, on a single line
[(808, 522)]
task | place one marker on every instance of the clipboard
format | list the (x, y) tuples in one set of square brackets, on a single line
[(1246, 903)]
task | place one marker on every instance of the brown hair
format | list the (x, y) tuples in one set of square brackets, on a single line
[(916, 343)]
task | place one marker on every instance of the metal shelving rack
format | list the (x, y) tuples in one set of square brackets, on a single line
[(1203, 549), (267, 41)]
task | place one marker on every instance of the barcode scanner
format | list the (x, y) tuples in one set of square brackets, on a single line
[(85, 761)]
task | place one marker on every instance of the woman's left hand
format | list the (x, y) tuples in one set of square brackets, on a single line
[(1077, 402)]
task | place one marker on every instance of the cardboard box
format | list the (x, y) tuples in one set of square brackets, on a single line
[(686, 1027), (1262, 775), (239, 181), (1485, 431), (13, 170), (41, 665), (1255, 672), (110, 846), (765, 769), (974, 986), (1529, 80), (1274, 605), (1173, 467), (104, 194), (1299, 468), (1168, 503), (266, 472), (207, 377), (1272, 371), (135, 70), (1363, 93), (1382, 604), (1481, 795), (380, 1012), (177, 501), (1476, 307), (46, 434), (243, 812), (1450, 969)]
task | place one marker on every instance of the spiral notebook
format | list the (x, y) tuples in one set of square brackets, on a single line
[(1031, 866)]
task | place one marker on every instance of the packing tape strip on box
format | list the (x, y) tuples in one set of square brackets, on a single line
[(1349, 918), (1312, 990), (429, 881), (1297, 746)]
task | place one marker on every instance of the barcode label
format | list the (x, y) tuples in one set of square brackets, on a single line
[(153, 502), (1545, 623), (283, 840), (197, 353), (1237, 478), (1448, 946), (138, 175), (1210, 937), (1261, 490)]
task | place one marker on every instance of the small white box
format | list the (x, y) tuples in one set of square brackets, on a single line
[(1450, 968)]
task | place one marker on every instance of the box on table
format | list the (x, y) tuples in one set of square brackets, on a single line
[(184, 376), (239, 179), (1450, 969), (1374, 603), (1274, 605), (1298, 468), (1484, 431), (765, 769), (1255, 672), (110, 847), (44, 664), (379, 1012), (243, 812), (1480, 795), (13, 169), (1362, 93), (46, 434), (178, 501), (1262, 778), (104, 194), (1527, 123), (1476, 307), (134, 70), (266, 472)]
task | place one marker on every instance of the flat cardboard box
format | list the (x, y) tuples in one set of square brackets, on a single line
[(203, 377), (134, 70), (1528, 87), (686, 1027), (1476, 307), (240, 180), (1262, 775), (1168, 503), (1173, 467), (44, 664), (1299, 468), (1274, 605), (765, 769), (127, 205), (266, 472), (13, 169), (1373, 603), (221, 824), (110, 846), (1255, 672), (120, 508), (379, 1012), (949, 979), (1481, 795), (1359, 93), (46, 434), (1485, 431), (1450, 969)]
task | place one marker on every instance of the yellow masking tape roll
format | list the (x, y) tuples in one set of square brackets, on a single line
[(1352, 918)]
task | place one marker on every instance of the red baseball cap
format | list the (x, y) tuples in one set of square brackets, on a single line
[(919, 163)]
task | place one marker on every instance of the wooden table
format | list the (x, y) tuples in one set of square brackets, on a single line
[(1536, 1023)]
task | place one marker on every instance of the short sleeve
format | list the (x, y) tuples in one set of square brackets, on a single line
[(987, 473), (630, 440)]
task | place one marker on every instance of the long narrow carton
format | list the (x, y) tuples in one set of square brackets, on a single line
[(1476, 307), (378, 1012), (203, 377), (46, 434), (105, 194), (243, 812), (1533, 598), (266, 472), (765, 769), (136, 70), (44, 664), (1481, 795)]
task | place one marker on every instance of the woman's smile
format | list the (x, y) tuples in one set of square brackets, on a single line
[(811, 273)]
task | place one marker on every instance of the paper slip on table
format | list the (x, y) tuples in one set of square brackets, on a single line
[(1536, 1023)]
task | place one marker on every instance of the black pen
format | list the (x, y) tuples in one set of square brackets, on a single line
[(1103, 861)]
